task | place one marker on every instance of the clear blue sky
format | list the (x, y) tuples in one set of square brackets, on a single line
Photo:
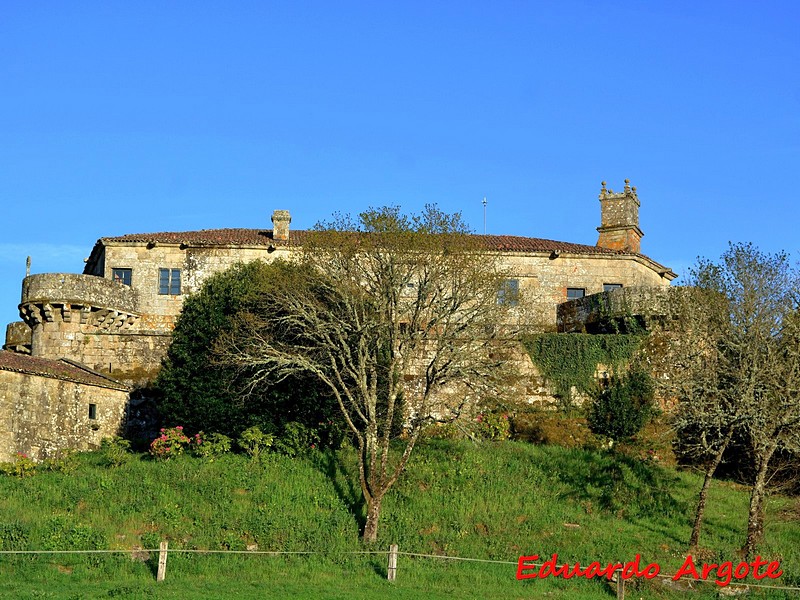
[(127, 117)]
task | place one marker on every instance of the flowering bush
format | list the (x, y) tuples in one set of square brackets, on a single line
[(23, 466), (652, 456), (493, 426), (169, 444)]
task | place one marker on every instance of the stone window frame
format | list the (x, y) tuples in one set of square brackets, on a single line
[(607, 287), (123, 275), (169, 282), (575, 293)]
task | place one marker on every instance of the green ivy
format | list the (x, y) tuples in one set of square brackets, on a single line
[(570, 360)]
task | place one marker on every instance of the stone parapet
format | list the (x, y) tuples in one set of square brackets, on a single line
[(83, 299), (79, 289), (18, 337), (616, 311)]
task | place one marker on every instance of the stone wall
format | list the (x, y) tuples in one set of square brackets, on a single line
[(196, 265), (40, 415), (544, 278), (544, 281)]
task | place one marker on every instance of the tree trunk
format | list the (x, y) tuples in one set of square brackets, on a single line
[(694, 540), (755, 518), (373, 515)]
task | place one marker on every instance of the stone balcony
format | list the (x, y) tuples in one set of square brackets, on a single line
[(624, 310)]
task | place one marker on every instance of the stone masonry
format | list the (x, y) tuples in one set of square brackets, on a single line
[(116, 318), (47, 406)]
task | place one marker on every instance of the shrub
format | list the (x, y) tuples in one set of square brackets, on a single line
[(194, 390), (13, 536), (23, 466), (493, 426), (297, 439), (64, 461), (210, 446), (116, 451), (254, 441), (552, 427), (169, 444), (620, 410)]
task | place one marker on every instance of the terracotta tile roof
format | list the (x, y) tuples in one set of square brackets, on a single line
[(64, 369), (211, 237), (258, 237), (514, 243)]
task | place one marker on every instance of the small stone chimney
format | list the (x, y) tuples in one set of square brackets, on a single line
[(280, 225), (619, 219)]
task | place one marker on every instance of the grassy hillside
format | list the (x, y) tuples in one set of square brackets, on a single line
[(492, 502)]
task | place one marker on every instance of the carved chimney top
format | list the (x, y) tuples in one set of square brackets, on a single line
[(619, 219), (280, 225), (628, 191)]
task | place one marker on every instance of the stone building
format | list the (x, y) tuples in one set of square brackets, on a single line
[(115, 319), (48, 405)]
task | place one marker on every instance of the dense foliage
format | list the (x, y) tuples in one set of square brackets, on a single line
[(571, 361), (620, 410), (198, 393)]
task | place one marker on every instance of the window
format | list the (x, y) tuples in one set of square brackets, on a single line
[(121, 275), (575, 293), (607, 287), (169, 282), (92, 411), (508, 293)]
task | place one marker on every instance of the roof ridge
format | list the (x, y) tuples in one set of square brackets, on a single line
[(56, 369)]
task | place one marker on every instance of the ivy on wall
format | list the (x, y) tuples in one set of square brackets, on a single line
[(570, 360)]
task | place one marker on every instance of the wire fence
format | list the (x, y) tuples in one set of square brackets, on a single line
[(392, 554)]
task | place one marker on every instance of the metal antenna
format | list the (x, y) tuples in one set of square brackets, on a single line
[(484, 215)]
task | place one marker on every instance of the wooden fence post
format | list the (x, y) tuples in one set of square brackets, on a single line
[(162, 561), (391, 570), (620, 586)]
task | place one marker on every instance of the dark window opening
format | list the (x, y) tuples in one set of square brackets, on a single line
[(607, 287), (575, 293), (169, 282), (508, 293), (122, 275), (93, 411)]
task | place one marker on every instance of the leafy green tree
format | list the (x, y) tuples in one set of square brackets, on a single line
[(199, 393), (620, 410)]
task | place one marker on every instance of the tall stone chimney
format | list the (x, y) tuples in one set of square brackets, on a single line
[(280, 225), (619, 219)]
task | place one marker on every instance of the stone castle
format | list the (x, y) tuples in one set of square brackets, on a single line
[(87, 341)]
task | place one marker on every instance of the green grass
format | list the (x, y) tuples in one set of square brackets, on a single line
[(494, 501)]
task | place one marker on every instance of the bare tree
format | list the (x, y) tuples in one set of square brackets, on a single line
[(736, 366), (400, 317), (687, 363)]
